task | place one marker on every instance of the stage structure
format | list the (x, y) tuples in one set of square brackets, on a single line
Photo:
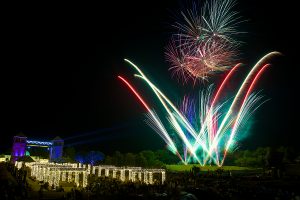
[(77, 173), (21, 144)]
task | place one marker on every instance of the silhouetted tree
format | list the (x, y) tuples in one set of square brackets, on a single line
[(166, 157), (108, 160), (150, 157), (118, 159), (140, 160), (275, 161), (129, 159)]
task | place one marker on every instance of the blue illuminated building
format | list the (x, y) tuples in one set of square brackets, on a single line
[(21, 142)]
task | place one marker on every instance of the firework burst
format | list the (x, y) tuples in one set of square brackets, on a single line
[(204, 43), (204, 129), (205, 133)]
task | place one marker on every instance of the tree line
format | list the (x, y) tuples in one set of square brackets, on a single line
[(146, 158), (260, 157)]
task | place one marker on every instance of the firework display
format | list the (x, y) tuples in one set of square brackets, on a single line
[(204, 129), (204, 43)]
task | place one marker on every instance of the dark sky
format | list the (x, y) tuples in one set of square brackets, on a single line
[(60, 65)]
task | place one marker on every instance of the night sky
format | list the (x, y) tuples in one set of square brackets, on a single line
[(60, 65)]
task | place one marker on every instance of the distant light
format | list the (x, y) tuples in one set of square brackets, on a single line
[(39, 142)]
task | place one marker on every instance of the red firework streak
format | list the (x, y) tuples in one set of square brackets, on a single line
[(257, 76), (221, 87), (135, 92), (142, 101)]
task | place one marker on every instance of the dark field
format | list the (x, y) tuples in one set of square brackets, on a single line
[(218, 184)]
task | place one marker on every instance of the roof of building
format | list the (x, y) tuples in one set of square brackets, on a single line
[(57, 138), (21, 134)]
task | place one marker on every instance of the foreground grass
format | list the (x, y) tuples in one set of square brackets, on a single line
[(205, 168)]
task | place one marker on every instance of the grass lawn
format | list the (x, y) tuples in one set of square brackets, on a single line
[(206, 168)]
